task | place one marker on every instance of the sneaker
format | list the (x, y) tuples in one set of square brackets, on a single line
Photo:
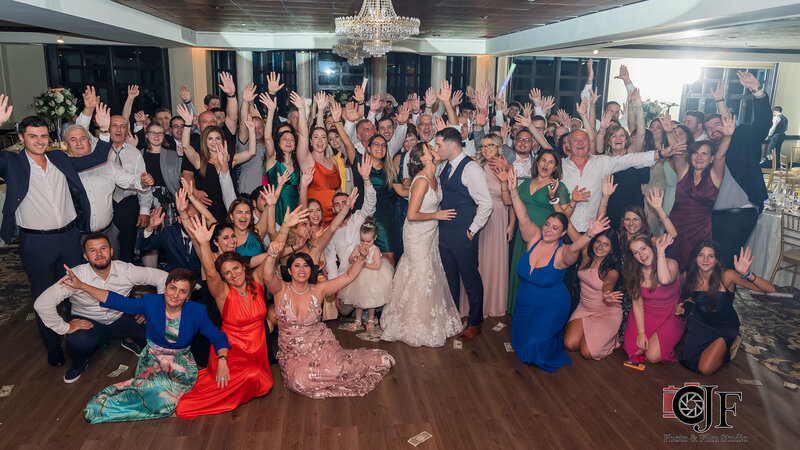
[(74, 373), (132, 347), (55, 357)]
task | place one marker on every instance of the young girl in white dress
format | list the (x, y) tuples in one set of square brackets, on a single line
[(373, 286)]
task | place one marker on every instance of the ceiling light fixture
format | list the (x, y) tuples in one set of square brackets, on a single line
[(377, 27), (353, 51), (595, 51), (60, 39)]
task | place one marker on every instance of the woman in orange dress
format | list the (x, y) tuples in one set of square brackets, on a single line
[(326, 178), (240, 297)]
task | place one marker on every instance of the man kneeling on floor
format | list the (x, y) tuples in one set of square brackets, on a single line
[(91, 325)]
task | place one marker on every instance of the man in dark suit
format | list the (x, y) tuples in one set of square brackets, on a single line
[(173, 241), (46, 199)]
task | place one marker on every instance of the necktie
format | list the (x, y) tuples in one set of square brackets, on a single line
[(187, 245), (402, 164), (446, 171)]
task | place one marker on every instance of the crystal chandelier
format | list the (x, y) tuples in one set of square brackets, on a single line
[(353, 51), (377, 26)]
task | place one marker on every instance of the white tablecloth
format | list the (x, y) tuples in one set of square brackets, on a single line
[(765, 243)]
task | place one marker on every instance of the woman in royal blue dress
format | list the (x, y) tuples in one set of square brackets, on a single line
[(543, 302)]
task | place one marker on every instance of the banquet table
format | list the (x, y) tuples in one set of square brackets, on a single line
[(765, 242)]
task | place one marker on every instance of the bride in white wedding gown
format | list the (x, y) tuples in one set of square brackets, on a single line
[(421, 310)]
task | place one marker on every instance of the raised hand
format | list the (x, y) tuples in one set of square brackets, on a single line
[(594, 96), (471, 93), (140, 118), (298, 101), (445, 91), (226, 83), (499, 103), (527, 109), (445, 214), (552, 189), (482, 101), (536, 97), (580, 194), (198, 228), (322, 101), (269, 194), (102, 116), (656, 198), (403, 112), (598, 226), (742, 262), (307, 176), (156, 218), (336, 112), (548, 103), (186, 96), (664, 241), (718, 93), (90, 98), (623, 75), (440, 124), (181, 199), (748, 80), (222, 156), (274, 83), (523, 120), (499, 171), (249, 123), (512, 180), (375, 103), (133, 90), (285, 176), (253, 111), (365, 166), (249, 93), (605, 122), (582, 108), (276, 247), (351, 199), (185, 114), (5, 109), (482, 117), (430, 97), (147, 179), (413, 102), (728, 124), (563, 117), (358, 94), (608, 185), (674, 149), (612, 297), (351, 113), (292, 218), (504, 131), (457, 98), (666, 122), (268, 101), (635, 98)]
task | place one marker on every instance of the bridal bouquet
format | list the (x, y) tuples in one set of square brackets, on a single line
[(55, 104)]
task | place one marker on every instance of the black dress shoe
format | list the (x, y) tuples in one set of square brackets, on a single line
[(55, 357)]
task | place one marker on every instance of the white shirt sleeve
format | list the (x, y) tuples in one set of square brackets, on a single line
[(616, 164), (125, 179), (330, 261), (147, 276), (474, 179), (775, 121), (370, 200), (145, 195), (83, 120), (396, 142), (46, 305), (228, 192), (350, 128)]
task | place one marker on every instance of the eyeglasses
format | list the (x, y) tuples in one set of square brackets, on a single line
[(175, 127), (485, 146), (378, 145), (155, 133), (632, 219), (524, 140)]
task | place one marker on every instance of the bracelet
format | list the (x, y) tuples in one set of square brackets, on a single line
[(722, 100), (554, 201), (232, 96), (187, 125), (747, 275), (272, 254), (590, 236), (222, 357), (103, 131), (660, 155)]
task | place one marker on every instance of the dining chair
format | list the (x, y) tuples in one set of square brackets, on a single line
[(790, 245), (770, 173)]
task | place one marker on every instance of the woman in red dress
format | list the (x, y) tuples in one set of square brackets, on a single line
[(240, 297)]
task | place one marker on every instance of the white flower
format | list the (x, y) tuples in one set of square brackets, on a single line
[(59, 97), (60, 111), (51, 103), (72, 110), (68, 102)]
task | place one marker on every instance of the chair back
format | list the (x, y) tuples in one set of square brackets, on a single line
[(790, 230)]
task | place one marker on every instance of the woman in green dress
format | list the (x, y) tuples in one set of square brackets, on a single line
[(166, 368), (536, 193), (284, 157), (382, 176)]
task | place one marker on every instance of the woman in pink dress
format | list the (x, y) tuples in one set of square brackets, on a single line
[(312, 362), (651, 280), (492, 241), (699, 177), (592, 329)]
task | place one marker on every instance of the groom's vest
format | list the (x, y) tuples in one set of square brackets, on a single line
[(456, 196)]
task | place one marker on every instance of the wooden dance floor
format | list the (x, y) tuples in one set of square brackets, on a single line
[(479, 397)]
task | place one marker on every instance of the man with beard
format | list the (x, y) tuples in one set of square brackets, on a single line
[(91, 324), (742, 191)]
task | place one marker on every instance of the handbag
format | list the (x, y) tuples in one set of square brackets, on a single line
[(329, 311)]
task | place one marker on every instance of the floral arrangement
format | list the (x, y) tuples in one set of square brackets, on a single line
[(55, 103)]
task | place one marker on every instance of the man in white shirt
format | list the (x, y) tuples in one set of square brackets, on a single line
[(587, 171), (100, 182), (464, 188), (46, 200), (694, 120), (92, 324)]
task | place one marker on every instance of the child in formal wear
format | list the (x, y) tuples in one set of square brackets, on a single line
[(373, 286)]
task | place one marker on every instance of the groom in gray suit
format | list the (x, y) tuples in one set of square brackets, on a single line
[(464, 189)]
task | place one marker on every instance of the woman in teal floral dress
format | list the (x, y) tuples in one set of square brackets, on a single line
[(166, 368)]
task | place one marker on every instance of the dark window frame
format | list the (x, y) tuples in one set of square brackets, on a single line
[(697, 95), (399, 82)]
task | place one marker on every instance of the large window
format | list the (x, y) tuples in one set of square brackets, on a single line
[(697, 96), (110, 70), (281, 62), (407, 73), (221, 61), (562, 78), (335, 75), (458, 68)]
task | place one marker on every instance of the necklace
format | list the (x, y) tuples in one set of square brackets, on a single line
[(291, 286)]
